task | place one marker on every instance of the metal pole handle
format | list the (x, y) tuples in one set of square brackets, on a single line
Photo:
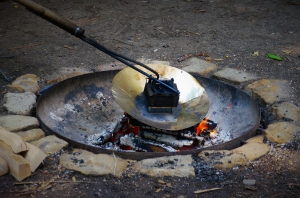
[(52, 17)]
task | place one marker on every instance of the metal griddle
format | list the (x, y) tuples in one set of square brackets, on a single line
[(84, 105)]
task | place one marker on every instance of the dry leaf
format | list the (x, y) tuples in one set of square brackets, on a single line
[(74, 179), (169, 185), (157, 190)]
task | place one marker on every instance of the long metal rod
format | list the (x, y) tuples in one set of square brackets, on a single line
[(73, 29)]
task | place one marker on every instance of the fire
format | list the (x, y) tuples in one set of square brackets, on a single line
[(213, 133), (206, 125), (202, 126)]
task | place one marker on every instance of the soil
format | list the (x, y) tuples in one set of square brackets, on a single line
[(228, 31)]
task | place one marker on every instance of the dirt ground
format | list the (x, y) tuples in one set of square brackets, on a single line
[(228, 31)]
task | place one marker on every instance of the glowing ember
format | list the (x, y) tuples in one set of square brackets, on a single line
[(205, 125), (131, 135)]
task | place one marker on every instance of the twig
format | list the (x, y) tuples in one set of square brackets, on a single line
[(193, 32), (26, 183), (206, 190), (291, 184), (277, 195), (26, 46), (6, 78), (184, 58), (115, 166)]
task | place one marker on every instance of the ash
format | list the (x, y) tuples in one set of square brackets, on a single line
[(219, 137), (205, 171)]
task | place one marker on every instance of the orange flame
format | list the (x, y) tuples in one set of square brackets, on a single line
[(202, 126)]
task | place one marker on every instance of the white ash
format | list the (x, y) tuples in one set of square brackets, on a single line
[(55, 117)]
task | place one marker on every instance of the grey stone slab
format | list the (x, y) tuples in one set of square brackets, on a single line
[(269, 91), (174, 166), (253, 150), (19, 103), (50, 144), (234, 76), (281, 132), (198, 66), (89, 163), (27, 82), (31, 135), (286, 110), (223, 159), (16, 123)]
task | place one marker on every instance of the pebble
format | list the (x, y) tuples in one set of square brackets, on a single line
[(249, 182)]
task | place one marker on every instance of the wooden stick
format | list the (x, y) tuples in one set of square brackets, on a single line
[(206, 190), (3, 167), (34, 156), (16, 142), (18, 166)]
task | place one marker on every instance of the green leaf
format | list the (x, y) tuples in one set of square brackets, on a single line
[(275, 57)]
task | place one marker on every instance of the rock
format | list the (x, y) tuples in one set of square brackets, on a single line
[(269, 91), (29, 82), (31, 135), (89, 163), (15, 88), (281, 132), (15, 123), (150, 61), (234, 76), (249, 182), (258, 139), (198, 66), (223, 159), (174, 166), (253, 150), (20, 103), (286, 110), (50, 144)]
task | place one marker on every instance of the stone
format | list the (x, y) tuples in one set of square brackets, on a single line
[(223, 159), (234, 76), (89, 163), (31, 135), (50, 144), (19, 103), (15, 88), (249, 182), (281, 132), (286, 110), (15, 123), (173, 166), (253, 150), (198, 66), (258, 139), (269, 91), (150, 61), (29, 82)]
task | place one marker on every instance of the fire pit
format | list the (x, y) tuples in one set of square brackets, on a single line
[(80, 108)]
